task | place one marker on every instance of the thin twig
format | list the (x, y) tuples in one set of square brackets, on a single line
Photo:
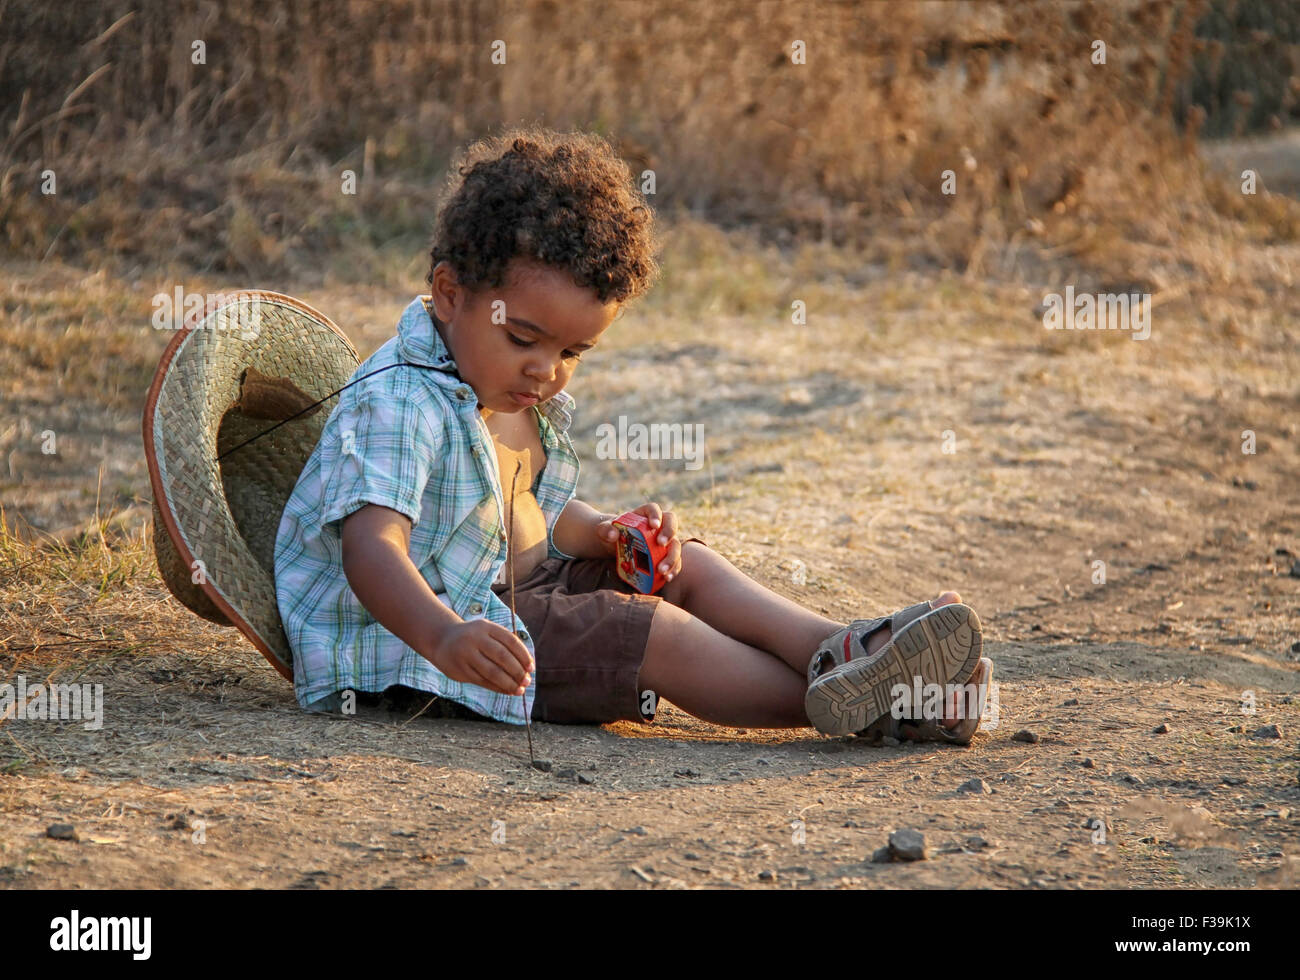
[(510, 571), (420, 712)]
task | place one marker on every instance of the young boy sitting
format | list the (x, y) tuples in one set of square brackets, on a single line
[(449, 470)]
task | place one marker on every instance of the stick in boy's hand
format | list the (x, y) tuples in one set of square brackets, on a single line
[(510, 564)]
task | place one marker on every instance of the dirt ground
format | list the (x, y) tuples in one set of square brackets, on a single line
[(828, 481)]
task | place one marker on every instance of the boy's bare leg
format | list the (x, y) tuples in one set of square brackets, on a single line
[(711, 588), (718, 678), (730, 651)]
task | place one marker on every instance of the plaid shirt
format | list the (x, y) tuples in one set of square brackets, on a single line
[(410, 439)]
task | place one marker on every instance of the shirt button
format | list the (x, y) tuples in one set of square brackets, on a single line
[(462, 393), (476, 607)]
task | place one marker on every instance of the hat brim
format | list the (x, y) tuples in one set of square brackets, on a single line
[(219, 517)]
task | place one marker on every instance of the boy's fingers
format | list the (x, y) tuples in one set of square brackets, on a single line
[(513, 645), (519, 650), (509, 659), (652, 513), (499, 680), (669, 528), (673, 558), (504, 660), (475, 676)]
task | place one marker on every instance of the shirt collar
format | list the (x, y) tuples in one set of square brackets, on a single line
[(419, 341)]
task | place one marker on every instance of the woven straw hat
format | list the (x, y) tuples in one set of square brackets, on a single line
[(245, 362)]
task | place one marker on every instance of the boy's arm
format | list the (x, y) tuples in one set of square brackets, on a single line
[(378, 567), (377, 563), (575, 531)]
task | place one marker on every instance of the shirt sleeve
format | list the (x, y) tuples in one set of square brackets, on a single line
[(381, 451), (551, 441), (551, 550)]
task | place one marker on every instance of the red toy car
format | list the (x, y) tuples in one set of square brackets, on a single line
[(639, 553)]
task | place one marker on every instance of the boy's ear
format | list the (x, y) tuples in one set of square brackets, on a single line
[(448, 271)]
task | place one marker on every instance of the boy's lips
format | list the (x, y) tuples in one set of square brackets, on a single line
[(525, 398)]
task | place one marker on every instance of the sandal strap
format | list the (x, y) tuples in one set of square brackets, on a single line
[(911, 613), (860, 630), (895, 621)]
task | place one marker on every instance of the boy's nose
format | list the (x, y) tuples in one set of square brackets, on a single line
[(539, 376)]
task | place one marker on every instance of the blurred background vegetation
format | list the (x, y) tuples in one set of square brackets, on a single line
[(234, 166)]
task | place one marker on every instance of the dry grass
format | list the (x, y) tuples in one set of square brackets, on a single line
[(76, 606), (234, 167)]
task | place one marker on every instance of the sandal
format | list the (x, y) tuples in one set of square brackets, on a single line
[(934, 731), (849, 690)]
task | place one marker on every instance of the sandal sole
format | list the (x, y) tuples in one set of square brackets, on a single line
[(941, 647)]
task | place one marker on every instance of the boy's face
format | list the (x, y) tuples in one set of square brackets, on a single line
[(498, 353)]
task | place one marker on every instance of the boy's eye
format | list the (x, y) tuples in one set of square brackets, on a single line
[(571, 355)]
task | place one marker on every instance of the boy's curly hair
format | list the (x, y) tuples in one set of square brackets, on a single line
[(565, 199)]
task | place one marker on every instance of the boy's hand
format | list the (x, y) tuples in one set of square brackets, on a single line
[(664, 523), (480, 652)]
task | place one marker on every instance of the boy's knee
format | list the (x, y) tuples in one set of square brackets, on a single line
[(696, 556)]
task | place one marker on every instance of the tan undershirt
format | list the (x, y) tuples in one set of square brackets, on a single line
[(527, 535)]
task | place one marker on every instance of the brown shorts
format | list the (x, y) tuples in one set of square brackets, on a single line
[(589, 631)]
